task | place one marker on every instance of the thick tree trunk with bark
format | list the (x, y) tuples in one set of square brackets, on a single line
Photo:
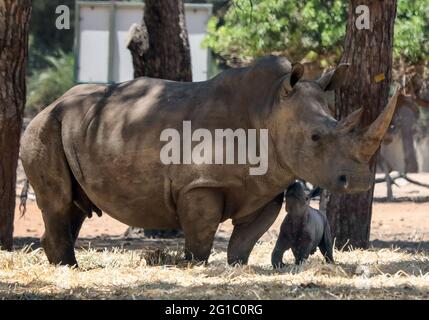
[(160, 47), (14, 22), (370, 54)]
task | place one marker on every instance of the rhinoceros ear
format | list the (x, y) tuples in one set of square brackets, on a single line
[(335, 78), (294, 76), (315, 193)]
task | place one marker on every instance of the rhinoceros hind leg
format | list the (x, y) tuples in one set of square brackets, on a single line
[(47, 169), (247, 233), (200, 212), (60, 236)]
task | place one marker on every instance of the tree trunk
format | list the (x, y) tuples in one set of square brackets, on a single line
[(160, 47), (14, 22), (370, 54)]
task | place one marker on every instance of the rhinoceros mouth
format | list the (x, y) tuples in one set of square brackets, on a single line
[(350, 183)]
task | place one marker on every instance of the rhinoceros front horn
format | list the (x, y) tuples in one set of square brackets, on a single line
[(372, 137)]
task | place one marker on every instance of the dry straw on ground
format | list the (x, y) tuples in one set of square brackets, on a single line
[(122, 274)]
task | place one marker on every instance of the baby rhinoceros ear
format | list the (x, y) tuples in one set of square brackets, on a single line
[(315, 193)]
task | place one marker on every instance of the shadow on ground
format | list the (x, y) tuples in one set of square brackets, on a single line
[(221, 243), (102, 243), (404, 245)]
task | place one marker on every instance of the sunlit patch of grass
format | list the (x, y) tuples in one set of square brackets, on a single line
[(162, 274)]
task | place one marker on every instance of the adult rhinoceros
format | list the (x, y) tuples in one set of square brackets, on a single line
[(98, 147)]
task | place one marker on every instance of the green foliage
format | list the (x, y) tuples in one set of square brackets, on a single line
[(412, 31), (45, 38), (252, 28), (255, 28), (47, 85)]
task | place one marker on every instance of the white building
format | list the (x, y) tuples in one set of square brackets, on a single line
[(102, 33)]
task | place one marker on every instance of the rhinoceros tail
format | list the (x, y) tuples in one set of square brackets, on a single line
[(23, 198)]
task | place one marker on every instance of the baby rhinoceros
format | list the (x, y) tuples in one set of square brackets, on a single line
[(303, 230)]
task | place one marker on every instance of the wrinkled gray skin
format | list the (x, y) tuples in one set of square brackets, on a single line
[(303, 230), (98, 148)]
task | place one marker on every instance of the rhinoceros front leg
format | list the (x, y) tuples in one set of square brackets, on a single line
[(247, 233), (200, 212)]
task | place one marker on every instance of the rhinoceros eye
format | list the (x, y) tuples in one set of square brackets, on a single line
[(316, 137)]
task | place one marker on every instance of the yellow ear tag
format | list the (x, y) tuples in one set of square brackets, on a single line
[(380, 77)]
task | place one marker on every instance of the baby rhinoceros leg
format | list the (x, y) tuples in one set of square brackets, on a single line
[(303, 254), (326, 246), (282, 245), (304, 247)]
